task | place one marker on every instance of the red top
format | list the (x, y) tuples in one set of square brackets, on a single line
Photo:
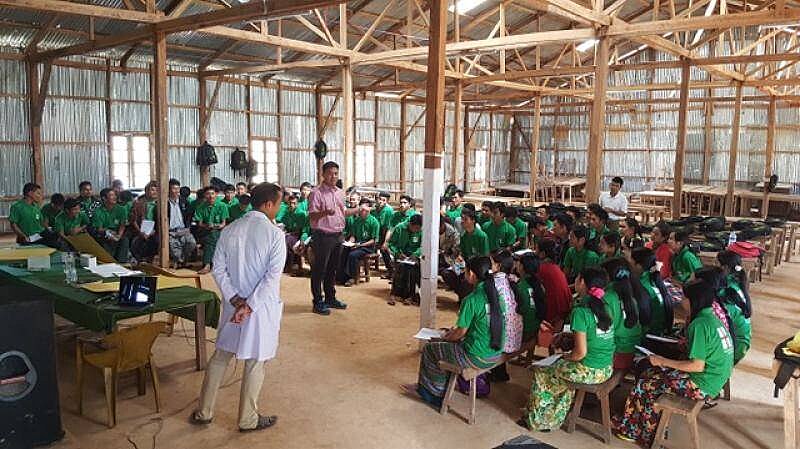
[(663, 255), (558, 297)]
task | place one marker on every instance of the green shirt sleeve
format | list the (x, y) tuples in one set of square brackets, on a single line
[(374, 228), (467, 312), (697, 336), (579, 320)]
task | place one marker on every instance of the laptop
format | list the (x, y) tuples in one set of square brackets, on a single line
[(137, 291)]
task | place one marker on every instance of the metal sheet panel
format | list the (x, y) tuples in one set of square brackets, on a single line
[(69, 120), (263, 99), (13, 77), (263, 125), (130, 117), (228, 129), (65, 166), (297, 102), (183, 126), (365, 131), (15, 161), (388, 113), (130, 86), (73, 82), (183, 90), (298, 132), (298, 167), (182, 167), (14, 113), (230, 96)]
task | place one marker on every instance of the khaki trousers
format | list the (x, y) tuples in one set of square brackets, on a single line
[(252, 378)]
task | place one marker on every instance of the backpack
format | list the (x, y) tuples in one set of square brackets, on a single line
[(239, 160), (746, 249), (206, 155), (788, 364), (712, 224), (252, 169)]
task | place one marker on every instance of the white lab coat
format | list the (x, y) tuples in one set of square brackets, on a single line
[(249, 260)]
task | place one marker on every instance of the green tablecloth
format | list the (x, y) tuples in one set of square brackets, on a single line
[(80, 306)]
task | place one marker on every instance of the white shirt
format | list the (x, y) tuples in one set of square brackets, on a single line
[(175, 215), (618, 202), (248, 262)]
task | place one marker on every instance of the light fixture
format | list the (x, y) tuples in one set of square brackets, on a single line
[(586, 45), (386, 95), (465, 6)]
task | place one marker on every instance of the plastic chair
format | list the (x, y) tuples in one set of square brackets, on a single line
[(124, 350)]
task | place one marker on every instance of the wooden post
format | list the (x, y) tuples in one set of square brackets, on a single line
[(375, 161), (203, 102), (770, 155), (348, 177), (320, 131), (35, 97), (108, 119), (249, 114), (597, 125), (534, 146), (489, 151), (434, 147), (555, 138), (708, 142), (466, 139), (160, 141), (403, 140), (730, 208), (457, 129), (680, 148)]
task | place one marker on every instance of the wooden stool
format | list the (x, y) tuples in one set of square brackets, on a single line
[(364, 264), (470, 375), (669, 404), (603, 393)]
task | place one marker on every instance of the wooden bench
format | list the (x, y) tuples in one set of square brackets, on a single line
[(603, 393), (668, 405)]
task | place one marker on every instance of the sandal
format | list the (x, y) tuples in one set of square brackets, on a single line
[(197, 421), (264, 422)]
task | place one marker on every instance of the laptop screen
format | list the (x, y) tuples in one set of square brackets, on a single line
[(137, 290)]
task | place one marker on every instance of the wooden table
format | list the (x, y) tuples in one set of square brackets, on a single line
[(749, 264), (744, 198), (647, 211), (657, 197), (477, 199), (566, 186), (791, 231), (524, 189), (791, 438)]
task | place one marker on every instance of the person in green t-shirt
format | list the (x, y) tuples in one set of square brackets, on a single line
[(484, 217), (472, 244), (109, 224), (302, 200), (597, 218), (630, 310), (384, 212), (588, 362), (361, 236), (296, 229), (708, 367), (735, 297), (610, 246), (530, 295), (661, 313), (241, 189), (453, 210), (210, 217), (403, 213), (499, 233), (405, 246), (239, 209), (27, 220), (476, 341), (229, 196), (511, 215), (684, 261), (72, 220), (51, 209), (578, 256), (88, 202), (283, 207)]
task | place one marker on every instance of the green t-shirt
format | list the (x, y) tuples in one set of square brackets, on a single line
[(236, 211), (296, 222), (384, 216), (474, 244), (625, 338), (49, 213), (684, 264), (599, 343), (211, 214), (109, 219), (150, 210), (710, 341), (658, 318), (741, 324), (400, 217), (302, 205), (65, 224), (454, 212), (27, 216), (363, 229), (576, 261), (405, 242), (521, 229), (474, 317), (595, 236), (281, 212), (499, 236), (525, 295), (233, 202)]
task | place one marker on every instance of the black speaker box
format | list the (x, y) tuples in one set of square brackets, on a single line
[(29, 410)]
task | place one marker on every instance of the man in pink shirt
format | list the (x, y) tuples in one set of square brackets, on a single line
[(326, 213)]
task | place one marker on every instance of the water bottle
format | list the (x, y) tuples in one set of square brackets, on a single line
[(69, 269), (731, 239)]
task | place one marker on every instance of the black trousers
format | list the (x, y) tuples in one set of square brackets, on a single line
[(349, 260), (457, 282), (405, 280), (326, 249)]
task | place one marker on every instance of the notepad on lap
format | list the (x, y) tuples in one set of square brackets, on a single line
[(427, 333)]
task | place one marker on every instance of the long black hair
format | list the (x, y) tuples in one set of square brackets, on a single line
[(530, 267), (504, 259), (715, 280), (613, 240), (637, 241), (595, 277), (646, 258), (733, 262), (548, 248), (481, 266), (634, 302), (701, 295)]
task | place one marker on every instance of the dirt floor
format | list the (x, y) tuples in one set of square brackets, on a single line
[(335, 384)]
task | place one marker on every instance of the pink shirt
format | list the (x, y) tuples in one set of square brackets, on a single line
[(325, 198)]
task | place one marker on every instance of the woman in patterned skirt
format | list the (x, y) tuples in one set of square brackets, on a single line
[(709, 366), (476, 341), (589, 361)]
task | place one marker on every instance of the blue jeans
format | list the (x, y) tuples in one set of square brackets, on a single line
[(349, 262)]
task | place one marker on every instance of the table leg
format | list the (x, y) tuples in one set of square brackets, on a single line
[(790, 404), (200, 336), (789, 247)]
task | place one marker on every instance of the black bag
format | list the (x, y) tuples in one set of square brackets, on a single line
[(218, 183), (712, 224), (252, 169), (206, 155), (788, 365), (238, 160)]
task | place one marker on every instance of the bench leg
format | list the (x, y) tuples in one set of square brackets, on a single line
[(694, 433), (575, 412), (473, 397), (366, 270), (448, 393), (605, 413), (661, 430)]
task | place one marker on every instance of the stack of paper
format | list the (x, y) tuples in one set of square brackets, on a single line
[(427, 333), (108, 270)]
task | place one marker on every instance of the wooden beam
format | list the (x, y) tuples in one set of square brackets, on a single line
[(373, 25), (712, 22), (41, 95), (123, 61), (201, 129), (457, 131), (35, 129), (330, 114), (313, 63), (534, 146), (160, 142), (348, 178), (597, 124), (734, 154), (403, 141), (770, 156), (467, 137), (680, 148), (41, 33), (178, 8), (209, 108), (80, 9)]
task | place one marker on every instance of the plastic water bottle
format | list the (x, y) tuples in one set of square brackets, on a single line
[(70, 271), (731, 238)]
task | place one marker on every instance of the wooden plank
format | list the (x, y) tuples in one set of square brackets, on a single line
[(314, 63), (348, 177), (594, 158), (534, 146), (457, 131), (712, 22), (373, 25), (770, 155), (80, 9), (680, 148), (734, 153), (179, 8), (35, 129), (160, 142), (403, 140), (41, 33), (201, 131)]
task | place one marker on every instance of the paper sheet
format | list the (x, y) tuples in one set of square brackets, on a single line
[(427, 333), (662, 339), (22, 253), (108, 270), (34, 238), (644, 350), (522, 252), (408, 261), (547, 361), (348, 244), (148, 227)]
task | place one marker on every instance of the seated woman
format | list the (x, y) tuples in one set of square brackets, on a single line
[(558, 297), (476, 341), (502, 266), (610, 246), (589, 362), (729, 308), (661, 313), (658, 243), (631, 234), (709, 366), (630, 310), (684, 261), (530, 296), (578, 256), (736, 300)]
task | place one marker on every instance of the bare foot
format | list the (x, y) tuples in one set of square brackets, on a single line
[(390, 301), (205, 270), (410, 390)]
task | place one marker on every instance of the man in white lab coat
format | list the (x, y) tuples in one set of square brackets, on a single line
[(248, 263)]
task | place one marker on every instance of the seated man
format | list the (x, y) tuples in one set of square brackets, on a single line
[(283, 207), (241, 189), (362, 232), (144, 245), (384, 213), (484, 217), (210, 217), (88, 202), (537, 231), (597, 219), (472, 243), (27, 221), (182, 244), (449, 251), (302, 201), (109, 224), (403, 213), (297, 229), (405, 246), (51, 209), (454, 209), (72, 220), (520, 227), (238, 210), (229, 198), (499, 233)]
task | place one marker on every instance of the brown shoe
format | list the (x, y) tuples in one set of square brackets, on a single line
[(264, 422)]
